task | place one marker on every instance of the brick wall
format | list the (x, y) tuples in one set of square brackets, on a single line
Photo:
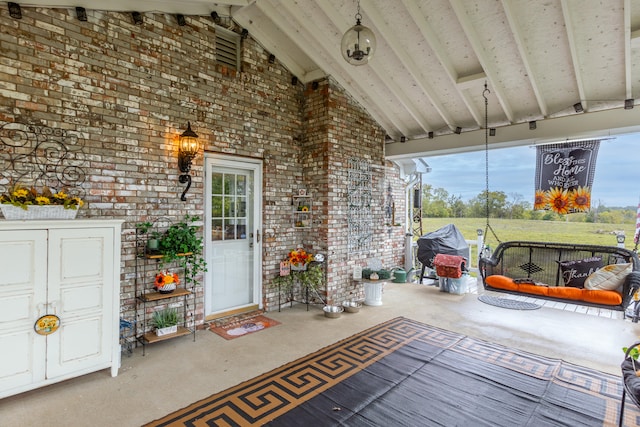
[(129, 91)]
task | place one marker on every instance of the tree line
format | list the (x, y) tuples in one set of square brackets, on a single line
[(438, 203)]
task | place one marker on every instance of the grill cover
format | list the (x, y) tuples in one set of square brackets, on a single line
[(446, 240)]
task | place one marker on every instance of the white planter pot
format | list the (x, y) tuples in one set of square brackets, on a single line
[(166, 331)]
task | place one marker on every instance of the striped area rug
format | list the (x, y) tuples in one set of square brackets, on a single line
[(404, 372)]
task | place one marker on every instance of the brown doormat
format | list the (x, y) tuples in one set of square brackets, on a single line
[(243, 327)]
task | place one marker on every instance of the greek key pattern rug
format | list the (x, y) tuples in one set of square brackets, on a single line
[(403, 372)]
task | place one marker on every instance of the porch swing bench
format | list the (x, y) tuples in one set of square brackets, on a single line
[(545, 270)]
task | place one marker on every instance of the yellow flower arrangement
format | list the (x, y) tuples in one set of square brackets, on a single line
[(164, 278), (299, 257), (23, 198)]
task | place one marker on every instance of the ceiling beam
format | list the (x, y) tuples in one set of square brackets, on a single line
[(432, 39), (513, 25), (409, 64), (354, 73), (568, 23), (263, 33), (184, 7), (487, 65), (326, 54), (627, 50), (602, 123)]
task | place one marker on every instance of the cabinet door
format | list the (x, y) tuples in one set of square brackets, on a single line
[(81, 281), (23, 284)]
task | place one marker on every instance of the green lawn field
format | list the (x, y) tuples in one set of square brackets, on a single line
[(538, 231)]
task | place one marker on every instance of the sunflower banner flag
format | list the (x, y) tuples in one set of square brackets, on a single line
[(564, 176)]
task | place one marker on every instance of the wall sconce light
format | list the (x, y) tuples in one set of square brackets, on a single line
[(272, 58), (628, 104), (181, 20), (81, 13), (532, 125), (294, 80), (215, 17), (358, 43), (244, 33), (458, 130), (492, 131), (578, 107), (403, 139), (430, 135), (315, 85), (137, 18), (187, 149), (14, 10)]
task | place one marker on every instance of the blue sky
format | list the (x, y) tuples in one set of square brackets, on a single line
[(512, 170)]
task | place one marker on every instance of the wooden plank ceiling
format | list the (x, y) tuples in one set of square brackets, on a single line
[(538, 58)]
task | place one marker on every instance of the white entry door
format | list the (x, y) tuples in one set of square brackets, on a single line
[(233, 233)]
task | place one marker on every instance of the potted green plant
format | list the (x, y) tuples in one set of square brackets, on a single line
[(166, 321), (153, 237), (181, 242)]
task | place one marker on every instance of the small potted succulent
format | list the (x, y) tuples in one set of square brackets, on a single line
[(166, 321)]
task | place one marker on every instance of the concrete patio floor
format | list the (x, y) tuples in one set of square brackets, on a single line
[(178, 372)]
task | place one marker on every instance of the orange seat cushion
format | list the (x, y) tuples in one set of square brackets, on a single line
[(501, 282), (561, 292), (528, 288), (566, 292), (602, 297)]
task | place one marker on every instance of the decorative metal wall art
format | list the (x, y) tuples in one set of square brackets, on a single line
[(360, 217), (40, 156)]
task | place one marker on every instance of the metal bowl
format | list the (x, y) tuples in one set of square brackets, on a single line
[(332, 311), (351, 306)]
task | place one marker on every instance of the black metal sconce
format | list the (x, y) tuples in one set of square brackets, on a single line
[(532, 125), (628, 104), (458, 130), (403, 139), (215, 17), (430, 135), (272, 58), (81, 14), (492, 131), (244, 33), (187, 149), (14, 10), (180, 19), (315, 85), (294, 80), (578, 107)]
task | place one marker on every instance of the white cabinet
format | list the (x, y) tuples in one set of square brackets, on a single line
[(70, 269)]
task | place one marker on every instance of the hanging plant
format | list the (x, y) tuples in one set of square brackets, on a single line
[(181, 242)]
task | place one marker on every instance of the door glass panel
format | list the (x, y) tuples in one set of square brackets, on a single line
[(229, 184), (242, 206), (229, 207), (216, 206), (216, 183), (241, 189), (216, 229)]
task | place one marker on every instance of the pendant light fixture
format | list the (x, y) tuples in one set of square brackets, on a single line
[(358, 43)]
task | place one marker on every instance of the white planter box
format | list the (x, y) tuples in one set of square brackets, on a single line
[(166, 331), (11, 212)]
